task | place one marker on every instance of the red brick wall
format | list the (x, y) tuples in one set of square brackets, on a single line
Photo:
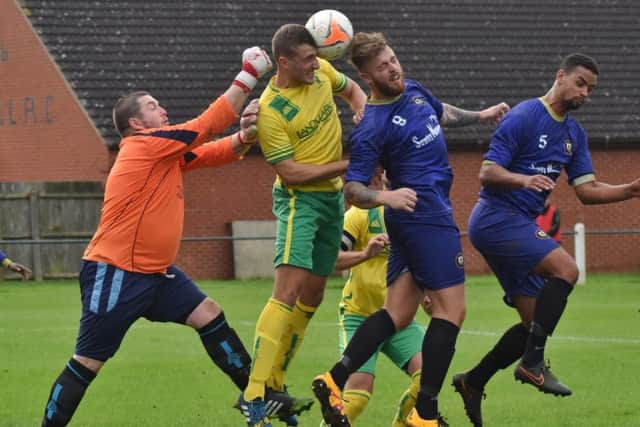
[(45, 135), (213, 199), (242, 191)]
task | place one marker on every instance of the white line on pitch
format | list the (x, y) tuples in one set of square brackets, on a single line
[(607, 340), (600, 340)]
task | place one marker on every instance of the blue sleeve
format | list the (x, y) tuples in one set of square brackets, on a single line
[(366, 151), (435, 103), (580, 163), (506, 141), (2, 256)]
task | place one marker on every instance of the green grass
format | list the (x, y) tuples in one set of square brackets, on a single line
[(162, 377)]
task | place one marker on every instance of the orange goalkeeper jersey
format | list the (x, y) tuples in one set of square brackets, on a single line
[(143, 209)]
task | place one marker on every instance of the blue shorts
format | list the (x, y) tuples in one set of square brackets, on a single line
[(430, 251), (112, 299), (512, 244)]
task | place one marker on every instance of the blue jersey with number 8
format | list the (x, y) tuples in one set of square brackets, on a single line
[(404, 135)]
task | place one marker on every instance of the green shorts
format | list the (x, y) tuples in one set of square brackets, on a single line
[(309, 228), (399, 348)]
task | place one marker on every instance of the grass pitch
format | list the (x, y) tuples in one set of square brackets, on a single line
[(162, 376)]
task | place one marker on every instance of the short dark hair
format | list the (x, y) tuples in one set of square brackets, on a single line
[(125, 108), (366, 46), (574, 60), (288, 38)]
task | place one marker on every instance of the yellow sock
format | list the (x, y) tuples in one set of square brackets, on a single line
[(290, 343), (355, 401), (272, 323), (407, 400)]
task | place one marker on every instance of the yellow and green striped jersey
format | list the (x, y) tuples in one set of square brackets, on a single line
[(302, 123), (366, 287)]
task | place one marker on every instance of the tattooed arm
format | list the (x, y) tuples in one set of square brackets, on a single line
[(360, 195), (456, 117), (364, 197)]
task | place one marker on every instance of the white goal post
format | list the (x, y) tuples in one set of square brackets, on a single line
[(580, 252)]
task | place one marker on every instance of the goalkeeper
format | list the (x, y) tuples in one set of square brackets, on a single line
[(127, 270)]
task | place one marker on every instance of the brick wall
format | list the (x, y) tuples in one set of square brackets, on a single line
[(213, 199), (242, 191), (45, 135)]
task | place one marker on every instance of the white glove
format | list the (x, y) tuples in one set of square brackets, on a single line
[(255, 62), (248, 133)]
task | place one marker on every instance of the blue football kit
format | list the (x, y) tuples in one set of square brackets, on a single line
[(531, 140), (403, 135)]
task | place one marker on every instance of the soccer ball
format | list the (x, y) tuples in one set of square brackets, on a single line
[(332, 32)]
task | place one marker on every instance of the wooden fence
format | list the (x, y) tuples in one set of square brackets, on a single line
[(49, 212)]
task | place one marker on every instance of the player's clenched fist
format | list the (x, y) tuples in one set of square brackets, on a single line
[(248, 130), (494, 114), (376, 245), (255, 62), (403, 199)]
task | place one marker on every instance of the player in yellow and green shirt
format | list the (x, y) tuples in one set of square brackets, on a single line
[(365, 250), (301, 138)]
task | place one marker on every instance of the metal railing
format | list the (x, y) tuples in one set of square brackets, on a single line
[(184, 239), (579, 234)]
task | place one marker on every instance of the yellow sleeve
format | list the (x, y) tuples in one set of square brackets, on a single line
[(337, 79), (272, 134), (354, 222)]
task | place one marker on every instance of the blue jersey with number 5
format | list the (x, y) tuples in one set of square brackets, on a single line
[(404, 135), (533, 140)]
